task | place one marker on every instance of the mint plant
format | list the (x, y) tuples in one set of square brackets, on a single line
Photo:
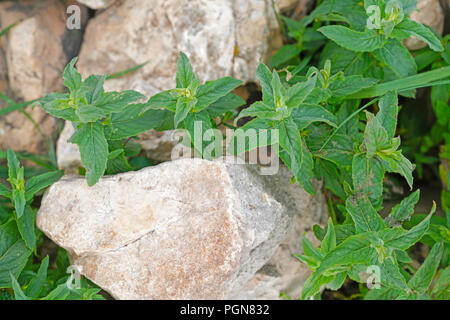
[(192, 103), (20, 278)]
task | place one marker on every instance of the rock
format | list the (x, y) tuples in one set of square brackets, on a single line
[(67, 154), (157, 145), (33, 54), (97, 4), (186, 229), (221, 37), (429, 12)]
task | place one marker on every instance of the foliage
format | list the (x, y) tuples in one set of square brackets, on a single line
[(20, 277)]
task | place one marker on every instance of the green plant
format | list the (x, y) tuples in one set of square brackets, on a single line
[(20, 239), (104, 121)]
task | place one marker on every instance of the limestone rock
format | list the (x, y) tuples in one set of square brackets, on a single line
[(221, 37), (97, 4), (186, 229), (33, 55), (429, 12)]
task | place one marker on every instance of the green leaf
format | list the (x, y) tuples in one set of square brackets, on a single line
[(13, 261), (18, 293), (387, 116), (134, 120), (61, 292), (259, 109), (422, 279), (185, 75), (298, 157), (397, 163), (422, 33), (400, 239), (5, 192), (36, 284), (26, 227), (183, 107), (338, 150), (264, 76), (390, 275), (364, 215), (197, 124), (375, 136), (114, 102), (59, 106), (367, 176), (93, 85), (72, 78), (18, 197), (313, 284), (13, 166), (441, 288), (384, 293), (284, 54), (355, 249), (404, 209), (249, 136), (329, 241), (93, 149), (89, 113), (309, 250), (366, 41), (37, 183), (411, 82), (227, 103), (299, 92), (338, 281), (306, 114), (163, 100), (397, 58), (212, 91), (350, 85)]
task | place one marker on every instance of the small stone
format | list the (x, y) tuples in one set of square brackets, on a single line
[(429, 12)]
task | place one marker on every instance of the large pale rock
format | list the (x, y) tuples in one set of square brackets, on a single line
[(187, 229), (32, 58), (221, 37), (428, 12), (97, 4)]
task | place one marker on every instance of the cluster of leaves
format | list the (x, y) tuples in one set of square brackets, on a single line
[(360, 43), (104, 121), (429, 145), (20, 277)]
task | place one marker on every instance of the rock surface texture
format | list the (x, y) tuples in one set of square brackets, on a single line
[(97, 4), (221, 37), (33, 55), (429, 12), (187, 229)]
